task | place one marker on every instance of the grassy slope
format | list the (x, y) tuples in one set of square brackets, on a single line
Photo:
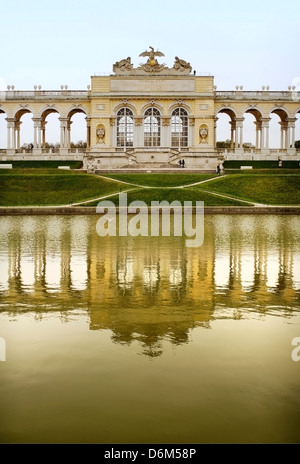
[(267, 189), (172, 194), (25, 187), (166, 180), (52, 187)]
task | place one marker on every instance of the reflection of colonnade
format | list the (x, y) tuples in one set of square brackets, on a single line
[(149, 289), (60, 255)]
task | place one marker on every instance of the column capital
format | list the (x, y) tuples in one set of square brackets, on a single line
[(165, 120), (138, 121), (239, 120), (37, 122), (265, 120), (291, 121), (63, 120), (10, 120)]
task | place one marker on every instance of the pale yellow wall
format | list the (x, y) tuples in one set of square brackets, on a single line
[(100, 106), (204, 84)]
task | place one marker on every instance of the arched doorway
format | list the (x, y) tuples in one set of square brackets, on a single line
[(77, 130), (24, 135), (225, 129), (253, 129), (50, 128), (280, 136)]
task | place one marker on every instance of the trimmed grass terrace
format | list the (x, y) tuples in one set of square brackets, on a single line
[(172, 194), (45, 187), (163, 180), (283, 189), (52, 187)]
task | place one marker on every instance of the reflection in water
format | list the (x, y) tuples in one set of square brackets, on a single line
[(148, 289), (142, 340)]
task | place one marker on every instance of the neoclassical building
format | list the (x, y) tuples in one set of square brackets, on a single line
[(151, 115)]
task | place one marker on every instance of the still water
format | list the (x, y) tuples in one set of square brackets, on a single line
[(143, 340)]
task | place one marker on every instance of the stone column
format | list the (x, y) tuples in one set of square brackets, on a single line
[(43, 128), (258, 125), (291, 135), (17, 134), (233, 134), (165, 138), (69, 134), (37, 135), (191, 132), (138, 132), (63, 136), (283, 137), (265, 133), (10, 135), (239, 133), (215, 132), (88, 132), (113, 133)]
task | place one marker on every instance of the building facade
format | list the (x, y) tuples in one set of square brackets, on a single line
[(151, 116)]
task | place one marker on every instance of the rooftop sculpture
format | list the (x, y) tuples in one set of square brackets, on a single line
[(152, 66)]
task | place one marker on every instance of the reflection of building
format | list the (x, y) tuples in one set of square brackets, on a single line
[(151, 115), (150, 288)]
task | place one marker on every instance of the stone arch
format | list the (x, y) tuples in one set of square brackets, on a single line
[(47, 111), (281, 111), (254, 110), (252, 135), (232, 114), (81, 129), (76, 109), (125, 104), (296, 112), (279, 136), (179, 104), (16, 139), (21, 110), (152, 104), (4, 110)]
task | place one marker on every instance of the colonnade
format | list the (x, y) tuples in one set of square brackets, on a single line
[(287, 133), (39, 133)]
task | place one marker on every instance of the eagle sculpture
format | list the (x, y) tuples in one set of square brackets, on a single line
[(152, 54)]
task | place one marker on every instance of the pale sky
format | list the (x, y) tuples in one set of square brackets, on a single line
[(65, 42)]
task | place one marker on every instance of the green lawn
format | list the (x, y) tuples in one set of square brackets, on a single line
[(51, 164), (282, 189), (172, 194), (161, 180), (30, 187), (51, 187)]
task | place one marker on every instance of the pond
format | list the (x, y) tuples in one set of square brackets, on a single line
[(145, 340)]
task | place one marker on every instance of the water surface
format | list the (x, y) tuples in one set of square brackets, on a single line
[(143, 340)]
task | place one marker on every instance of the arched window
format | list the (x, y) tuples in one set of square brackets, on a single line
[(152, 128), (124, 128), (179, 128)]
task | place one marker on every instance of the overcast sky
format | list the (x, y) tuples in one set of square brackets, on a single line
[(64, 42), (51, 43)]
